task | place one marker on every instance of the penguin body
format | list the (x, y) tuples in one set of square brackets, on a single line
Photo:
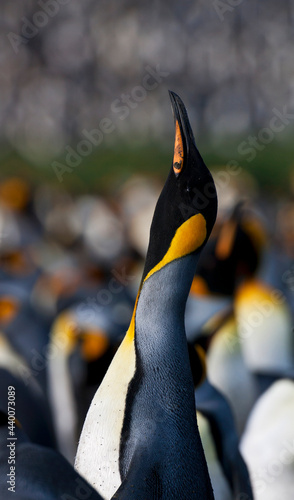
[(15, 372), (40, 472), (220, 484), (267, 443), (163, 378), (140, 438), (74, 339), (25, 330), (265, 327), (36, 422), (229, 373), (228, 471)]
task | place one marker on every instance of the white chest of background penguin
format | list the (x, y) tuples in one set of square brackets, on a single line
[(140, 438)]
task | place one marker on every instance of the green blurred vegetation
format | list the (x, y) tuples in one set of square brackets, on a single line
[(107, 167)]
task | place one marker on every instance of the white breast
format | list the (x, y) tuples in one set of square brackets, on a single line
[(98, 451), (268, 443)]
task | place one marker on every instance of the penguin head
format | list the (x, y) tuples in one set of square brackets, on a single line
[(186, 209)]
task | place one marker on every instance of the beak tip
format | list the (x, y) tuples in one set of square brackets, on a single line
[(176, 104), (174, 97), (181, 116), (172, 93)]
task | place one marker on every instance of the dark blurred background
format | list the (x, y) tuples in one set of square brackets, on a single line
[(67, 65)]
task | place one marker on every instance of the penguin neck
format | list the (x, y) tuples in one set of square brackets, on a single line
[(159, 319)]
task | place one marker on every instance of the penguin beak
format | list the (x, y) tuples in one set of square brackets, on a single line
[(184, 137)]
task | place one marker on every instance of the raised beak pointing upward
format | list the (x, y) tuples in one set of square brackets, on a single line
[(184, 137)]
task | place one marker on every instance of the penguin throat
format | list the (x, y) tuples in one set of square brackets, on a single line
[(188, 238), (162, 300)]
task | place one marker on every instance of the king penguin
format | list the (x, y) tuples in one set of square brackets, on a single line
[(140, 438)]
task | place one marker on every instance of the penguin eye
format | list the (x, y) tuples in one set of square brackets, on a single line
[(178, 160)]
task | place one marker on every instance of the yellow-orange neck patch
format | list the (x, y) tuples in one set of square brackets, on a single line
[(130, 335), (94, 344), (64, 333), (189, 236), (178, 159)]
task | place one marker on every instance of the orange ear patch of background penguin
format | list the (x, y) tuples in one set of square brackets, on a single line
[(14, 193), (8, 309), (226, 240), (94, 345)]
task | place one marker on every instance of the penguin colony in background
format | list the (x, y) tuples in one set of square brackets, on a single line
[(165, 420)]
